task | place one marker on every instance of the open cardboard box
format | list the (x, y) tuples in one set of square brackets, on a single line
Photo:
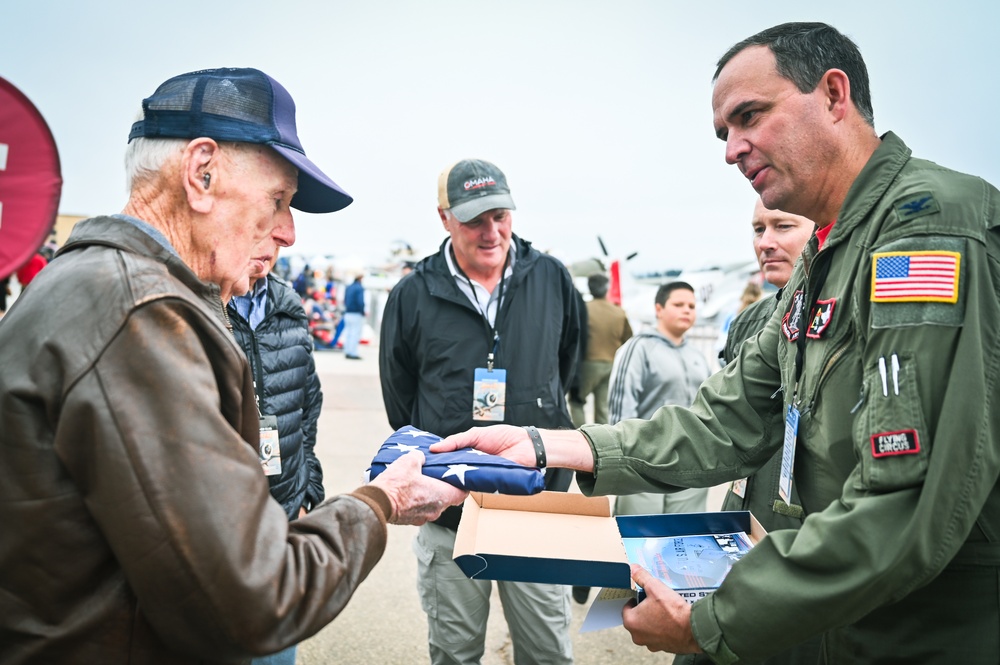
[(568, 538), (550, 537)]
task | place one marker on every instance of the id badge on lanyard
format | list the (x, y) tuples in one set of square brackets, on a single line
[(788, 454), (792, 417), (489, 389), (489, 394), (489, 384), (269, 453)]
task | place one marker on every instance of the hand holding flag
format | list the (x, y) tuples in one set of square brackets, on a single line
[(505, 441), (415, 498), (468, 469), (564, 448)]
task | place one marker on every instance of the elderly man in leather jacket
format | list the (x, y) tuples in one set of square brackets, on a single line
[(138, 527)]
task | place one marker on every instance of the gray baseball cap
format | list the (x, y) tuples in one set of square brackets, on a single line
[(471, 187)]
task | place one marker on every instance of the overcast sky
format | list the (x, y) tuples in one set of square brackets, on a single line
[(598, 112)]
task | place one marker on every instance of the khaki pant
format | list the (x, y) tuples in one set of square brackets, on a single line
[(595, 376), (457, 608), (649, 503)]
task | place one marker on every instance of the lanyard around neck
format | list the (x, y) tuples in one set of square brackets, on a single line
[(805, 314), (494, 336)]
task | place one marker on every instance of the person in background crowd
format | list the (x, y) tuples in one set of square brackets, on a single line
[(485, 330), (137, 524), (877, 378), (354, 317), (651, 370), (751, 294), (338, 315), (323, 319), (27, 272), (49, 249), (607, 329), (778, 240), (301, 283), (330, 284)]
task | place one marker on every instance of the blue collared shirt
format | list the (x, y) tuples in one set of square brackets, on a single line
[(252, 305)]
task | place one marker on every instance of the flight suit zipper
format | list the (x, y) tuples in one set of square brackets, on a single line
[(828, 366)]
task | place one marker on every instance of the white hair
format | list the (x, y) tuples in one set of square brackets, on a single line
[(144, 158)]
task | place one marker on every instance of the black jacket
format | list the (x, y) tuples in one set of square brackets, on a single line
[(433, 338), (280, 355)]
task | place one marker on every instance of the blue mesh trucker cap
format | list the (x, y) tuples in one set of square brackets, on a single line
[(239, 105)]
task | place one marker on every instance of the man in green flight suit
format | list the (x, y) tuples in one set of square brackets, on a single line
[(876, 378)]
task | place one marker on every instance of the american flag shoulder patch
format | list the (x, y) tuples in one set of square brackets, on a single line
[(915, 276)]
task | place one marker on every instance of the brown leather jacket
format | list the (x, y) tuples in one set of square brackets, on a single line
[(135, 522)]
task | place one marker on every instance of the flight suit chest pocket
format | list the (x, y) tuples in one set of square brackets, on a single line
[(890, 432)]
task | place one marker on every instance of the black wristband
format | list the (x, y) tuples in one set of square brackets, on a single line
[(536, 441)]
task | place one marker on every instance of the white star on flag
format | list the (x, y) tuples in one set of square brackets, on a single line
[(458, 470), (492, 473)]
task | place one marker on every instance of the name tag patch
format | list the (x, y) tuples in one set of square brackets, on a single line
[(903, 442)]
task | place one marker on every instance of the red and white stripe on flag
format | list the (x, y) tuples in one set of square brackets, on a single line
[(920, 276)]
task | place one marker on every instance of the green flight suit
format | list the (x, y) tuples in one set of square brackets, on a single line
[(898, 558), (759, 495), (759, 492)]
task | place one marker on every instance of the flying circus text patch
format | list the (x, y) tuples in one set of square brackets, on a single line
[(903, 442)]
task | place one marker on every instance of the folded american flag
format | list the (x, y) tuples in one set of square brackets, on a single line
[(467, 469)]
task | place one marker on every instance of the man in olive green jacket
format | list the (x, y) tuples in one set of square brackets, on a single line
[(879, 371)]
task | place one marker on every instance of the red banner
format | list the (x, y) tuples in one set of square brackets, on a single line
[(30, 179), (615, 289)]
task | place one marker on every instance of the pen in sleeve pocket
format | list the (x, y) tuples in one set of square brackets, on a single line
[(895, 373)]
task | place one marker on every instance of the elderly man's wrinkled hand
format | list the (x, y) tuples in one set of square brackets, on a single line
[(661, 622), (415, 498), (502, 440)]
